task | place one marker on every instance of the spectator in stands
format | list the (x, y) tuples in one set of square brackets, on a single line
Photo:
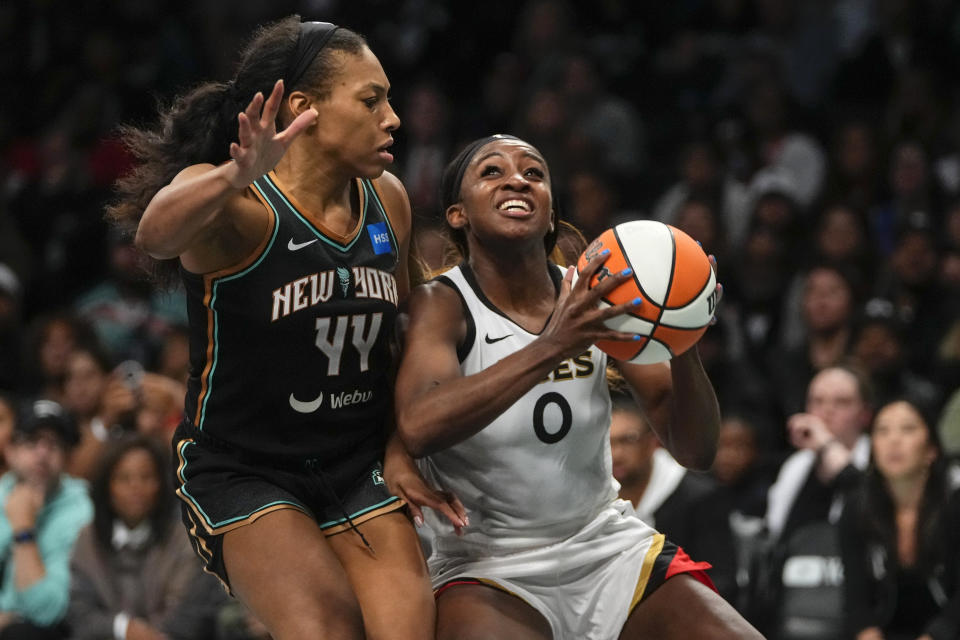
[(910, 189), (880, 346), (899, 535), (832, 446), (744, 475), (427, 125), (88, 373), (841, 236), (43, 511), (739, 467), (825, 309), (909, 279), (49, 342), (760, 274), (703, 175), (853, 177), (128, 314), (798, 580), (133, 565), (683, 505)]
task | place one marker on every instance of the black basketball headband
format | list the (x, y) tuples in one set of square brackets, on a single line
[(313, 37), (452, 180)]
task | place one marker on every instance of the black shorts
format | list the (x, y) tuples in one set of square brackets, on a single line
[(222, 488)]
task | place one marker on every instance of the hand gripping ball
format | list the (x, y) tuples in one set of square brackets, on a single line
[(673, 277)]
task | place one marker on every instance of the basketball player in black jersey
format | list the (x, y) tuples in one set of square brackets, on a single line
[(508, 576), (292, 248)]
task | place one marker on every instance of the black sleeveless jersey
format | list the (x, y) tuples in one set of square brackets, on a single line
[(289, 350)]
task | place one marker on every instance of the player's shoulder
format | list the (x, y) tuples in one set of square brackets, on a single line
[(438, 291), (390, 189), (437, 313)]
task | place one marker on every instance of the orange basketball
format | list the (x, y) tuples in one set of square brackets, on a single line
[(673, 277)]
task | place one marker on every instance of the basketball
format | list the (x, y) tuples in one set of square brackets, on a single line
[(673, 277)]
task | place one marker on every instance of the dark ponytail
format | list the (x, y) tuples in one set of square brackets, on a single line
[(200, 125)]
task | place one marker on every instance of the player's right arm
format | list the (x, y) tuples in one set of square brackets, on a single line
[(438, 407), (186, 218)]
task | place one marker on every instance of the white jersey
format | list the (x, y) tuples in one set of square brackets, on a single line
[(541, 471)]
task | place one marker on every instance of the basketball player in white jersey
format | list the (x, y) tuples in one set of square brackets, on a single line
[(503, 395)]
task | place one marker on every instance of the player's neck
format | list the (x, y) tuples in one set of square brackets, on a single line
[(326, 197), (521, 284), (313, 177)]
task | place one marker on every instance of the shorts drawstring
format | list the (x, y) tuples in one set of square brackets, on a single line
[(313, 465)]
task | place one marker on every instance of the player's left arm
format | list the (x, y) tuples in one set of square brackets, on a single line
[(680, 404), (400, 472)]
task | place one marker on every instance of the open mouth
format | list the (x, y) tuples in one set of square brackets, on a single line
[(515, 206), (384, 150)]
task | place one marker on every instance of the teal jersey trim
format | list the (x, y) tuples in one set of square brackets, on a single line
[(216, 316), (317, 232)]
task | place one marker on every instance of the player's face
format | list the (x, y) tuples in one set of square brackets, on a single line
[(356, 122), (505, 193), (833, 397), (901, 442)]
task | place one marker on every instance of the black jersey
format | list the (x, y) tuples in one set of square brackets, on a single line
[(289, 351)]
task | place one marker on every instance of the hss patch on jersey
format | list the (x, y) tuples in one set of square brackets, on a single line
[(379, 237)]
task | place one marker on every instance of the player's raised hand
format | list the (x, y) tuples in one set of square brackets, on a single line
[(260, 147)]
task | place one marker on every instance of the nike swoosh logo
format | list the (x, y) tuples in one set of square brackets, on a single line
[(490, 340), (294, 246)]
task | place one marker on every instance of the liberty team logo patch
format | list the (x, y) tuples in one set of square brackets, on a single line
[(377, 477), (343, 275), (380, 237)]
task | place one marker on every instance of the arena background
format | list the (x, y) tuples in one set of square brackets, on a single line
[(696, 112)]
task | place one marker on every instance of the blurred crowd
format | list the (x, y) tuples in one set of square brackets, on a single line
[(813, 147)]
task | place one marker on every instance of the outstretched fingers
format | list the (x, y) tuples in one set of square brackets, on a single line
[(253, 111), (272, 106), (248, 122)]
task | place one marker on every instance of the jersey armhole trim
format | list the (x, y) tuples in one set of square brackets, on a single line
[(463, 349), (258, 251)]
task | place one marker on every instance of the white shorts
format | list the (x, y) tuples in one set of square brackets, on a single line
[(586, 585)]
